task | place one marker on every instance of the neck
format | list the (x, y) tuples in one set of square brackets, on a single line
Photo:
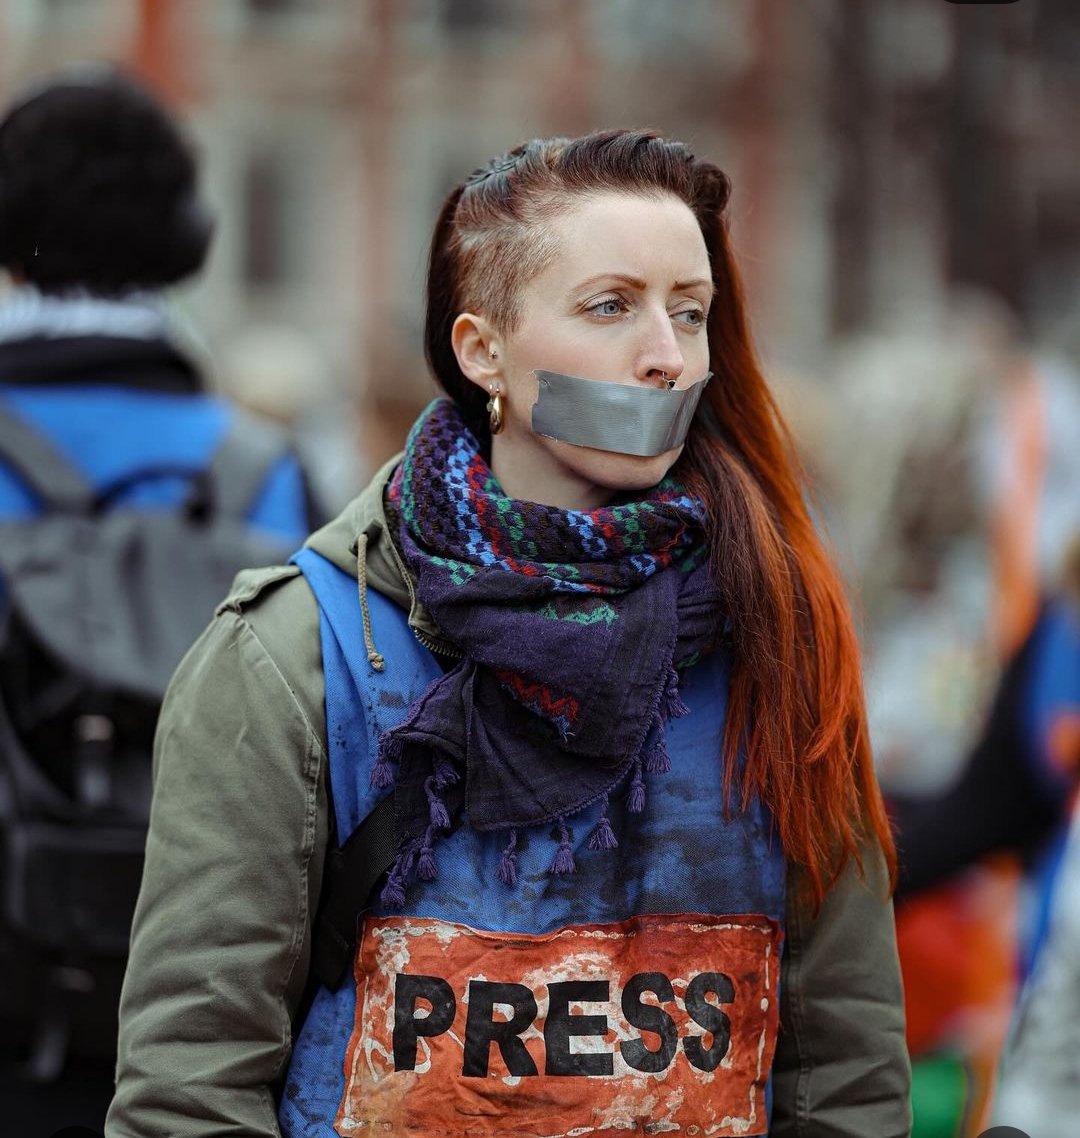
[(545, 487)]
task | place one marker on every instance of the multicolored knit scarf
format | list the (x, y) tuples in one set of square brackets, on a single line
[(572, 625)]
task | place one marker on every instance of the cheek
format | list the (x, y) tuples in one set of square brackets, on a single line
[(521, 394), (697, 356)]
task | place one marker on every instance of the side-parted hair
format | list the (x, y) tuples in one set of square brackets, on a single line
[(796, 702)]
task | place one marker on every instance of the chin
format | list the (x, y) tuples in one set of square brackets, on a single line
[(622, 473)]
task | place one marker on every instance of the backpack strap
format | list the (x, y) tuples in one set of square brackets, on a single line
[(350, 879), (239, 467), (41, 465)]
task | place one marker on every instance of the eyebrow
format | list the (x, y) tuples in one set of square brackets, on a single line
[(638, 283)]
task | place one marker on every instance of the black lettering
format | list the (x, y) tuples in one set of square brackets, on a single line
[(710, 1017), (650, 1018), (560, 1025), (408, 1026), (481, 1031)]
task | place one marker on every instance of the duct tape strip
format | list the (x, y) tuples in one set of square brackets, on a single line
[(627, 418)]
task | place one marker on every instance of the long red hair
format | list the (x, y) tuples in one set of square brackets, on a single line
[(796, 704)]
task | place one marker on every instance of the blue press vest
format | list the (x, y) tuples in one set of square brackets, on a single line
[(681, 855)]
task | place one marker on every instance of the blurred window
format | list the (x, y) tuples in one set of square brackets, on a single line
[(466, 17), (271, 8), (72, 13), (639, 29), (265, 193), (99, 27), (299, 22)]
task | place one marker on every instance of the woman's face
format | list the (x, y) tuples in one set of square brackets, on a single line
[(624, 300)]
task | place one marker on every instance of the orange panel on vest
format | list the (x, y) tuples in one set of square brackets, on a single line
[(658, 1024)]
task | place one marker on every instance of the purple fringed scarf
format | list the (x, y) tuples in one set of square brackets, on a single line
[(572, 625)]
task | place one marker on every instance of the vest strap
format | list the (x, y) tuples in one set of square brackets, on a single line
[(349, 886)]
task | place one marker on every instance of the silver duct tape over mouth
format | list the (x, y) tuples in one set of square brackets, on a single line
[(627, 418)]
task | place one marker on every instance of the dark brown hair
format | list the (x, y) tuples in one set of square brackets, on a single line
[(796, 702)]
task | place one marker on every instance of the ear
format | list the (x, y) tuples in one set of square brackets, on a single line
[(476, 346)]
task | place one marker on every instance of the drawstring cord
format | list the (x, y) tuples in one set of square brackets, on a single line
[(374, 658)]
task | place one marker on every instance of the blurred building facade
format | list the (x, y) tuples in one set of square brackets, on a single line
[(879, 151)]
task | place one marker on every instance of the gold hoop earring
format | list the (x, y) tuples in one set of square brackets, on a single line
[(495, 408)]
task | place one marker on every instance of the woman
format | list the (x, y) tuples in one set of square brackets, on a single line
[(612, 687)]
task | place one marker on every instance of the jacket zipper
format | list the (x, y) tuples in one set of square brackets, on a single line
[(439, 647)]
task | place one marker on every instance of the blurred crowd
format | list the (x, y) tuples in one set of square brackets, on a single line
[(948, 476)]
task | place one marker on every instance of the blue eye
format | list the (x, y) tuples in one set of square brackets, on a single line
[(607, 306), (691, 317)]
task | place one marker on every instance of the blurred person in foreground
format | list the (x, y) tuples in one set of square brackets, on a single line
[(1039, 1083), (100, 214), (582, 639)]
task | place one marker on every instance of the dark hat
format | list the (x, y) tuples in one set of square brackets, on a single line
[(98, 188)]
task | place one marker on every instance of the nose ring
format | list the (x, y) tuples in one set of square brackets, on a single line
[(669, 383)]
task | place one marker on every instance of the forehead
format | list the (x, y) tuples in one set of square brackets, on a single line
[(641, 235)]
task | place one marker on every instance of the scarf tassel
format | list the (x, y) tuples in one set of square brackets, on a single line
[(437, 812), (382, 775), (393, 892), (635, 798), (445, 775), (507, 870), (420, 853), (427, 868), (564, 856), (671, 702), (603, 837), (657, 760)]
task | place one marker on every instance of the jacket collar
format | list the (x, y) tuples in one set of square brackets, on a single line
[(81, 361), (384, 568)]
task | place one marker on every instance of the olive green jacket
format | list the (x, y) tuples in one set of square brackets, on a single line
[(234, 858)]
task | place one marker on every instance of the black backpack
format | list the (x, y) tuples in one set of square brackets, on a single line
[(97, 606)]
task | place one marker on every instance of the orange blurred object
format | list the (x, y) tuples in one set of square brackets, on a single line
[(958, 955)]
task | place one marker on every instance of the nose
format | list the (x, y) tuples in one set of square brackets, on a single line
[(660, 361)]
